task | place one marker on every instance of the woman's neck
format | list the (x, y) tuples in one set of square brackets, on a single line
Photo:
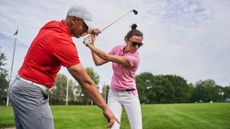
[(126, 49)]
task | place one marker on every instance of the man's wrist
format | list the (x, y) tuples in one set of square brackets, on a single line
[(89, 45), (104, 107), (90, 31), (94, 31)]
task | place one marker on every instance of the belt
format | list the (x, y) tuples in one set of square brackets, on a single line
[(127, 90), (43, 87)]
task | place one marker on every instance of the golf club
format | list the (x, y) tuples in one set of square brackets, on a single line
[(134, 11)]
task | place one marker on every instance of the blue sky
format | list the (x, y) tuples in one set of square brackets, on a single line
[(189, 38)]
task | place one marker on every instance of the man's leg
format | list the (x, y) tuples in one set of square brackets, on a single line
[(31, 107), (16, 118)]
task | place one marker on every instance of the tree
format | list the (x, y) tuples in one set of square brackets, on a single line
[(179, 89), (226, 91), (82, 97), (206, 91), (162, 88), (105, 91), (145, 87), (3, 81), (58, 93), (190, 88), (171, 89), (78, 94), (72, 88)]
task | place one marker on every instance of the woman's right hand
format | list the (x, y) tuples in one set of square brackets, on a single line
[(90, 40)]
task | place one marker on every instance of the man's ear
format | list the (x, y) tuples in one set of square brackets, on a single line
[(74, 20)]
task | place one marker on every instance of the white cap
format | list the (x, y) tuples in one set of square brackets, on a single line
[(81, 12)]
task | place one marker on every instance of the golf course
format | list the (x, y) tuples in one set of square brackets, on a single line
[(155, 116)]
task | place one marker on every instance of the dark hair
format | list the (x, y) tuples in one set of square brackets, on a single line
[(134, 32)]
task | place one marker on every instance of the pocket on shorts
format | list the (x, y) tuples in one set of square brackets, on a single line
[(45, 94)]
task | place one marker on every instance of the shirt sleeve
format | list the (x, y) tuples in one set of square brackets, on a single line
[(133, 60), (116, 50), (67, 54)]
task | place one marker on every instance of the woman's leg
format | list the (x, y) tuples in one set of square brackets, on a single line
[(133, 110)]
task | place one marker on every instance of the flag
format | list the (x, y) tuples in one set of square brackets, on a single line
[(16, 32)]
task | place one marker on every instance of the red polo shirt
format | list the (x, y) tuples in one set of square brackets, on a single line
[(52, 48)]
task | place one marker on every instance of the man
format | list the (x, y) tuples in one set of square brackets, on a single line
[(52, 48)]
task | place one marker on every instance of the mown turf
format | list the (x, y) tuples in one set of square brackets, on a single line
[(156, 116)]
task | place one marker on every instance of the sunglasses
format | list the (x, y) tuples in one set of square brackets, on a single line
[(134, 44)]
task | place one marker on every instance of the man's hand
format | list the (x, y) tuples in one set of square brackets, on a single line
[(89, 39), (92, 37), (79, 73), (110, 117), (93, 31)]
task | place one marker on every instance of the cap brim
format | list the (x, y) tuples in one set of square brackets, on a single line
[(89, 24)]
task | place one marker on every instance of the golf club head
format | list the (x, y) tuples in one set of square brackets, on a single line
[(135, 11)]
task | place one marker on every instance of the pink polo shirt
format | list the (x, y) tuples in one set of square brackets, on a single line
[(124, 77)]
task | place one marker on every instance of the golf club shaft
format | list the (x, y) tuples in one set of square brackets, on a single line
[(116, 20), (134, 11)]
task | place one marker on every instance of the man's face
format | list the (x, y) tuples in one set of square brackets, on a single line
[(79, 28)]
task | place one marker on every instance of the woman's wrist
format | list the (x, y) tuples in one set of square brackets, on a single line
[(89, 45)]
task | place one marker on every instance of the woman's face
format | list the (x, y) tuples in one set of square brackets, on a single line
[(134, 43)]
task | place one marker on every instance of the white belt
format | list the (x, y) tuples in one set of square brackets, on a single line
[(43, 87)]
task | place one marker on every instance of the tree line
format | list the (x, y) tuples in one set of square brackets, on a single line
[(151, 89), (175, 89)]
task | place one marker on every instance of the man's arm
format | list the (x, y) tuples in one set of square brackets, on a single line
[(79, 73)]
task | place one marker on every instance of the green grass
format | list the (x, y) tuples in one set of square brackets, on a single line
[(157, 116)]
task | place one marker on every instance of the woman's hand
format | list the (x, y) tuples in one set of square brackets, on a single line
[(90, 40)]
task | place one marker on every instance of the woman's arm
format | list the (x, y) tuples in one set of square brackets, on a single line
[(98, 60), (100, 57)]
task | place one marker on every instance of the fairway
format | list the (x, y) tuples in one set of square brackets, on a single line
[(156, 116)]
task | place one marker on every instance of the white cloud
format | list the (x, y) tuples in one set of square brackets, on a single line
[(189, 38)]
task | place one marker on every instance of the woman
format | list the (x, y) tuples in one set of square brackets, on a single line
[(125, 61)]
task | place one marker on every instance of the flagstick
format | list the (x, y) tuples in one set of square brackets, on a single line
[(11, 69)]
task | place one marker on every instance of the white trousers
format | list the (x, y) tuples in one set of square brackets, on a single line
[(132, 107)]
